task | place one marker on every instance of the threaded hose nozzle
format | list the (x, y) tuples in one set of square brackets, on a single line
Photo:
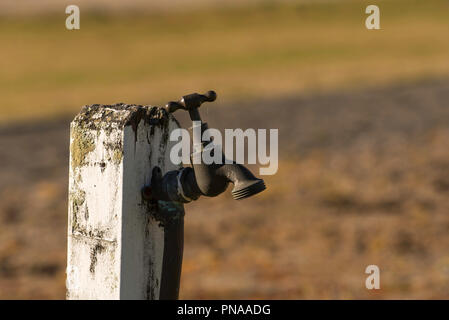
[(242, 192)]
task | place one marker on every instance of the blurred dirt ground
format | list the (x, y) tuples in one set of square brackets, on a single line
[(363, 179)]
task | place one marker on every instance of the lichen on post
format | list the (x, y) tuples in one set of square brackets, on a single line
[(116, 240)]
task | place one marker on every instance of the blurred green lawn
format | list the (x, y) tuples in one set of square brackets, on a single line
[(263, 50)]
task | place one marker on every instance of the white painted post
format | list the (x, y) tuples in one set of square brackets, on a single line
[(116, 239)]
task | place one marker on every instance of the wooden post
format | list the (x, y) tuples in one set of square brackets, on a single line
[(120, 246)]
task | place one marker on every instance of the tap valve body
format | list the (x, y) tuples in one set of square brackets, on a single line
[(189, 183)]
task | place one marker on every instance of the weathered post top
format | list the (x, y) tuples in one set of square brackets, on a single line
[(116, 240)]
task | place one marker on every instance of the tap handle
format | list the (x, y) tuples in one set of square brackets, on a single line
[(191, 101)]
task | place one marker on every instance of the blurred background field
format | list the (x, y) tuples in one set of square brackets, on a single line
[(363, 124), (265, 49)]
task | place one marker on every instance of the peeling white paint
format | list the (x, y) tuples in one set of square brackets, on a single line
[(115, 247)]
